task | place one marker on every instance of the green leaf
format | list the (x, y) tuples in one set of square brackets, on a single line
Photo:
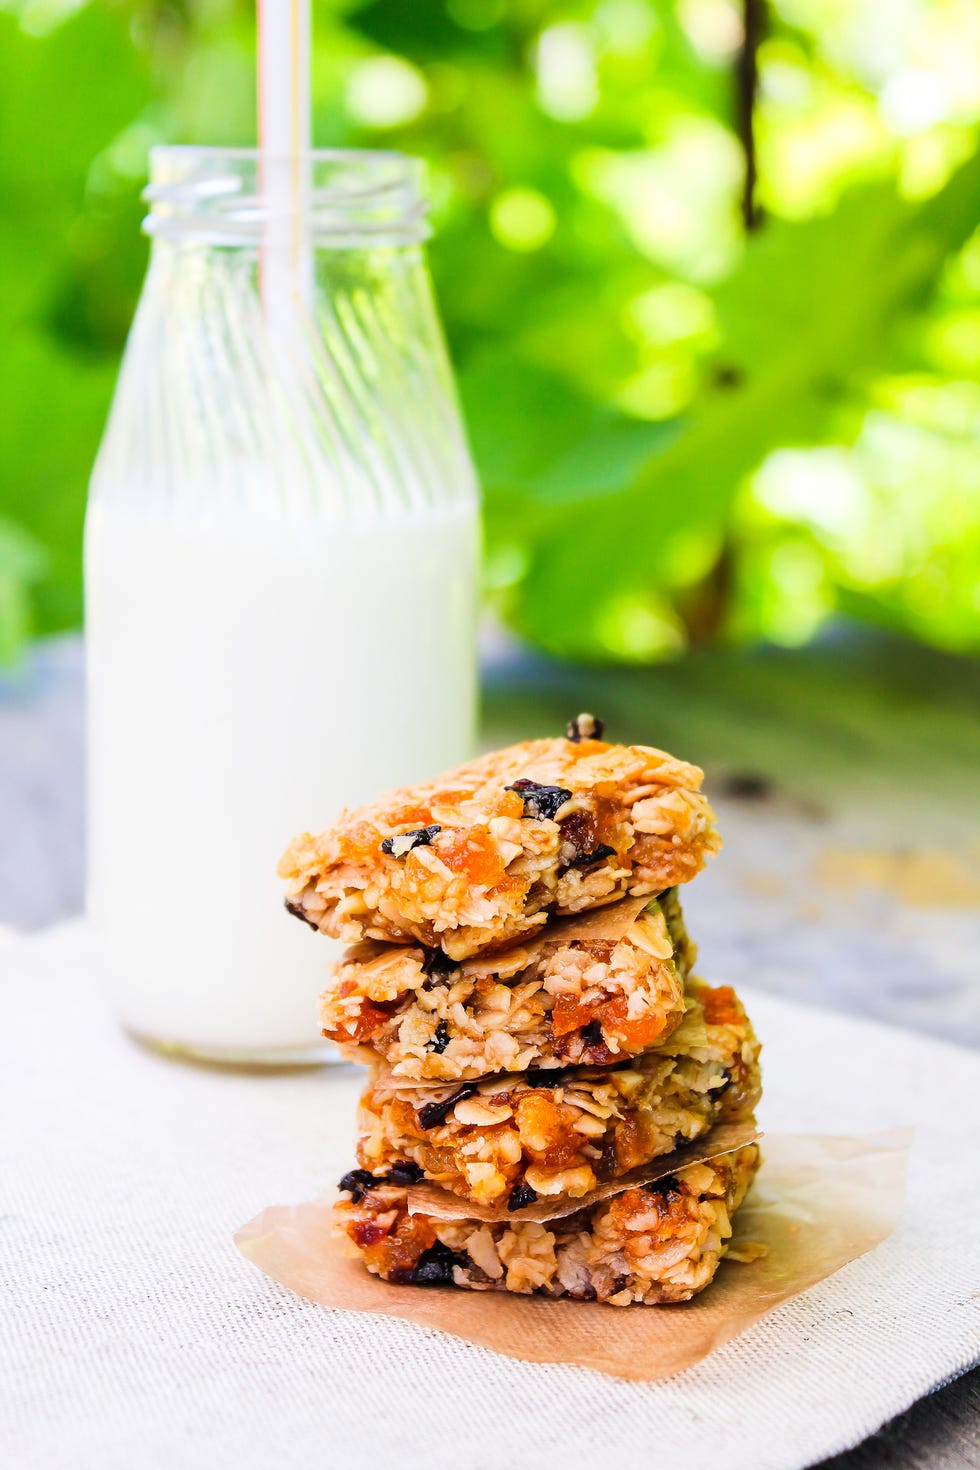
[(22, 561), (530, 431), (803, 313), (54, 405), (70, 259)]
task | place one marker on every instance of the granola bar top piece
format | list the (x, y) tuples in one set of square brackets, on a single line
[(479, 858), (513, 1139), (659, 1242), (588, 989)]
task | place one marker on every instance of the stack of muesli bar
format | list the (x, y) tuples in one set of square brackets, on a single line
[(547, 1075)]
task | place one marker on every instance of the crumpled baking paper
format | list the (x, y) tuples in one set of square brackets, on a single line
[(818, 1203)]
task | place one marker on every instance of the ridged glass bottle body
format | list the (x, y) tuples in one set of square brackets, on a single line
[(281, 574)]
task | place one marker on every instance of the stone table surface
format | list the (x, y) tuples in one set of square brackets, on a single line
[(847, 787)]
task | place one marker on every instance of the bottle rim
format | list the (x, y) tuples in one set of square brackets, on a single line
[(234, 196)]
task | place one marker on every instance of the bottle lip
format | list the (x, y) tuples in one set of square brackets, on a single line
[(233, 196)]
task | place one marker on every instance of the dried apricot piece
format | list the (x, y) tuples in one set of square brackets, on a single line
[(475, 855), (721, 1006)]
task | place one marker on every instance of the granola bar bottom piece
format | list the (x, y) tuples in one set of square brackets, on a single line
[(660, 1242)]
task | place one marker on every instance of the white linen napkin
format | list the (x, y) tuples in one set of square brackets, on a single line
[(136, 1338)]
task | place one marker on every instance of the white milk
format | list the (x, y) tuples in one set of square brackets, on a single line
[(248, 677)]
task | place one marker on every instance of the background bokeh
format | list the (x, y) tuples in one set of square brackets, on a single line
[(705, 409)]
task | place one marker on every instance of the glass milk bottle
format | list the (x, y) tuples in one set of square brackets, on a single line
[(281, 570)]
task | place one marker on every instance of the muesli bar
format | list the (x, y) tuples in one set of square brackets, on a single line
[(542, 1133), (652, 1243), (478, 859), (588, 990)]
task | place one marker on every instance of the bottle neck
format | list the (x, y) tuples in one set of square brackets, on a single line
[(331, 199), (316, 387)]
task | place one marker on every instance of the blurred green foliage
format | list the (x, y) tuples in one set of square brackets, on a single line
[(685, 434)]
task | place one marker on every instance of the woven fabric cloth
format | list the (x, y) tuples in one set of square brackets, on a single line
[(134, 1337)]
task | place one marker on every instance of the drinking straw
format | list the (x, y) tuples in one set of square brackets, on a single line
[(284, 166)]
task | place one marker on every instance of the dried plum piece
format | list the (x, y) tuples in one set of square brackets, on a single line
[(540, 802), (521, 1195), (584, 727), (434, 1114), (434, 1266), (440, 1039), (357, 1182), (586, 859), (404, 1173), (298, 912), (402, 843)]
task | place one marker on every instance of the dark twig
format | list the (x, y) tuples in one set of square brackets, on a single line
[(705, 608), (747, 87)]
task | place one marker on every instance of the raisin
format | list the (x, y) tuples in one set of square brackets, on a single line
[(666, 1189), (404, 1173), (434, 1114), (298, 913), (545, 1076), (586, 859), (584, 727), (437, 965), (540, 802), (607, 1165), (521, 1195), (440, 1040), (580, 832), (357, 1182), (435, 1266), (592, 1034), (402, 843)]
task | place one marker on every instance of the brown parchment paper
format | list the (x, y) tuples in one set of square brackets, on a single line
[(818, 1203), (612, 921), (609, 921)]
